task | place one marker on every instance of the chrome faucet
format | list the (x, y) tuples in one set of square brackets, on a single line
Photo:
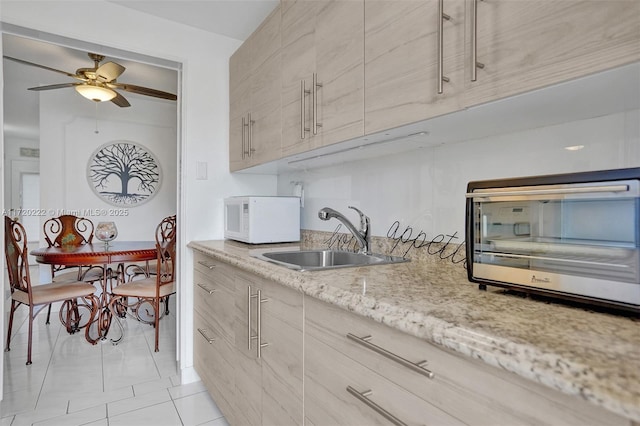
[(363, 235)]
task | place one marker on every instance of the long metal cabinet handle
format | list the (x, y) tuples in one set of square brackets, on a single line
[(249, 297), (302, 113), (417, 367), (316, 85), (207, 265), (210, 340), (363, 397), (244, 151), (250, 136), (202, 286), (441, 18), (551, 191), (474, 42), (259, 303)]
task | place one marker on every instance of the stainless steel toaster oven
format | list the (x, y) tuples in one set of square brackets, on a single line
[(574, 236)]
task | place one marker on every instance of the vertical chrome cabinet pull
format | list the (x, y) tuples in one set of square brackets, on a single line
[(302, 118), (417, 367), (258, 335), (316, 85), (303, 110), (210, 340), (363, 397), (441, 18), (474, 42), (250, 123), (244, 151), (207, 265), (208, 290), (249, 336), (259, 302)]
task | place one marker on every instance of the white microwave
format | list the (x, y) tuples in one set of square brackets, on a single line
[(260, 219)]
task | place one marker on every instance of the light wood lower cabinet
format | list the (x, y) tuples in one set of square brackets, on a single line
[(268, 329), (461, 391), (321, 365), (230, 322)]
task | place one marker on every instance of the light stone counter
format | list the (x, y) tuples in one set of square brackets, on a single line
[(593, 355)]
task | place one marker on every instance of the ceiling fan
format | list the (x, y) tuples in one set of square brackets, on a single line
[(99, 83)]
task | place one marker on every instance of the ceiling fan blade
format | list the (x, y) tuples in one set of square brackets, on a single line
[(45, 67), (54, 86), (144, 91), (121, 101), (109, 72)]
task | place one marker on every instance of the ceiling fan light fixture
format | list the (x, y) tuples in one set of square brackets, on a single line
[(96, 93)]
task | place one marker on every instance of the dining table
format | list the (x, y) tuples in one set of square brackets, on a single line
[(104, 255)]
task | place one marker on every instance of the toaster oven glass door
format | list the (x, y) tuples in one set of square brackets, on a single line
[(590, 230)]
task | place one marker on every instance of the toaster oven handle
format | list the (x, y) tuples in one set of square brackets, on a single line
[(552, 191)]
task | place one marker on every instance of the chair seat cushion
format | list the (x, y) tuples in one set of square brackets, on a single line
[(54, 292), (144, 288)]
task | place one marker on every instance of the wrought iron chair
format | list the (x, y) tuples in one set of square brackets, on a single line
[(135, 270), (135, 297), (38, 296), (70, 230)]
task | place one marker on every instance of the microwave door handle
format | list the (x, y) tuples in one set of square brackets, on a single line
[(553, 191)]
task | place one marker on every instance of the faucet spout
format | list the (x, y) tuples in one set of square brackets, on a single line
[(362, 235)]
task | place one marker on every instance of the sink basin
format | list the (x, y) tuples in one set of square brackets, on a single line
[(314, 260)]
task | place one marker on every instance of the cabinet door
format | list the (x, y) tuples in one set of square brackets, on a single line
[(323, 38), (282, 359), (339, 40), (239, 106), (264, 123), (298, 66), (402, 61), (248, 374), (528, 44), (254, 97)]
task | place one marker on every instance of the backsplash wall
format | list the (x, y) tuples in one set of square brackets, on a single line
[(425, 188)]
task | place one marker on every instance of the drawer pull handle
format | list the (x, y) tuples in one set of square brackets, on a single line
[(207, 338), (207, 265), (202, 286), (417, 367), (362, 397)]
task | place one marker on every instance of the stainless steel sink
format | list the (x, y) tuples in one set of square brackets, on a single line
[(314, 260)]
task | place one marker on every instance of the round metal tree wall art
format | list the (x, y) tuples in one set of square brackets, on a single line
[(124, 173)]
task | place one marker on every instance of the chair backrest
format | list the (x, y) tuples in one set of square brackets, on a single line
[(68, 230), (16, 253), (166, 248)]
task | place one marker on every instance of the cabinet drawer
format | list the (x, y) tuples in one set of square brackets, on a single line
[(470, 389), (213, 361), (218, 272), (328, 374), (215, 303)]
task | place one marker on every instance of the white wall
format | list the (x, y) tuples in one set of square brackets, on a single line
[(425, 188), (203, 108), (68, 140)]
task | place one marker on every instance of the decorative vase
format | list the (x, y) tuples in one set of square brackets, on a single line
[(106, 232)]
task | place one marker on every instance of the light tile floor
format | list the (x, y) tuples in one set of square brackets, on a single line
[(74, 383)]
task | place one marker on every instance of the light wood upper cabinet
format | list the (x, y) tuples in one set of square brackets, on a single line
[(403, 60), (254, 96), (530, 44), (322, 73)]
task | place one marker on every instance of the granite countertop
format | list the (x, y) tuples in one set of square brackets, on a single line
[(590, 354)]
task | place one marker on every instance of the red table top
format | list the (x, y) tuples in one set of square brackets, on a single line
[(96, 253)]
